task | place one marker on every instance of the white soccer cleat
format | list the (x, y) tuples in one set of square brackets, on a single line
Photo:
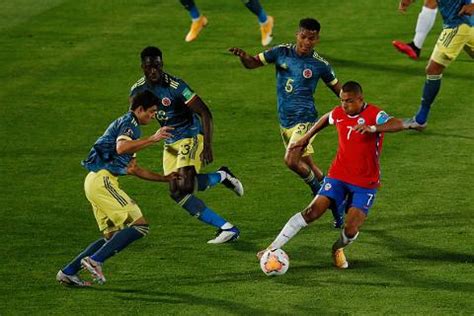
[(95, 268), (231, 181), (411, 123), (225, 235), (71, 280)]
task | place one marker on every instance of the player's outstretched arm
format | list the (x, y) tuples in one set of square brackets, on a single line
[(145, 174), (392, 125), (132, 146), (249, 62), (336, 88), (322, 123), (199, 107)]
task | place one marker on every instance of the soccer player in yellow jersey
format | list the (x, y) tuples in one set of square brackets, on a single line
[(119, 218)]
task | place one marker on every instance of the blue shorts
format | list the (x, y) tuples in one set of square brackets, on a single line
[(339, 191)]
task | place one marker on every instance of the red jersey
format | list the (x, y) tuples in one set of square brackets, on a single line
[(357, 158)]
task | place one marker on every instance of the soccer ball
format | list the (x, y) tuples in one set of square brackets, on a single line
[(274, 262)]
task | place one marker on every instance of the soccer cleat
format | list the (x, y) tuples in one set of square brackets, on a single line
[(261, 252), (95, 268), (339, 258), (338, 222), (196, 28), (231, 181), (71, 280), (225, 235), (408, 49), (411, 123), (266, 31)]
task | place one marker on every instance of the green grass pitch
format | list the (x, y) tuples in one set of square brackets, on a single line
[(66, 68)]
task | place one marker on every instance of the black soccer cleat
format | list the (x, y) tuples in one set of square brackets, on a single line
[(231, 181)]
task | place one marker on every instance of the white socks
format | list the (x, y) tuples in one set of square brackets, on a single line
[(425, 22), (292, 227)]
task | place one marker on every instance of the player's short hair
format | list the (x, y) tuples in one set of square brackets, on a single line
[(352, 86), (151, 51), (310, 24), (146, 99)]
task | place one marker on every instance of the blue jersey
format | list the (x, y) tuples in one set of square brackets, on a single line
[(173, 110), (449, 11), (103, 155), (297, 78)]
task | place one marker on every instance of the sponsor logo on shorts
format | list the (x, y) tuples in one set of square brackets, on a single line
[(361, 120), (327, 186), (166, 101), (307, 73)]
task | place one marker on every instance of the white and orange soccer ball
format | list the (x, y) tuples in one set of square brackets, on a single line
[(274, 262)]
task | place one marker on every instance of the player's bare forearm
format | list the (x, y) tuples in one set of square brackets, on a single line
[(336, 88), (199, 107), (467, 9), (132, 146), (322, 123), (146, 174), (248, 61), (391, 126)]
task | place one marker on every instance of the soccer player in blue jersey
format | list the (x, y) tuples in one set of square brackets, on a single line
[(199, 21), (119, 218), (191, 144), (298, 70), (457, 34)]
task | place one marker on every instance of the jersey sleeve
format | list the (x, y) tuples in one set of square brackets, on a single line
[(184, 92), (331, 118), (382, 117), (128, 131), (328, 75), (137, 87), (269, 56)]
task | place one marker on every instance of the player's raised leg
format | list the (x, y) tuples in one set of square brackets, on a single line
[(224, 176), (182, 193), (265, 21), (198, 21), (424, 24)]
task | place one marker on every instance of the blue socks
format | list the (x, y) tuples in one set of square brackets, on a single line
[(75, 265), (208, 216), (430, 90), (313, 182), (191, 7), (197, 208), (119, 241), (208, 180), (256, 8)]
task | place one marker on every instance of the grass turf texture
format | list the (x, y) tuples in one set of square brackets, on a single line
[(66, 70)]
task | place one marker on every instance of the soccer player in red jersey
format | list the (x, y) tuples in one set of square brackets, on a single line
[(355, 171)]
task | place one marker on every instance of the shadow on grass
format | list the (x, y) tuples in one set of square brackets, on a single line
[(162, 297), (414, 71)]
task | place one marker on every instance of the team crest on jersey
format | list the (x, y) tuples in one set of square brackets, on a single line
[(327, 186), (307, 73), (166, 101), (128, 132), (361, 120)]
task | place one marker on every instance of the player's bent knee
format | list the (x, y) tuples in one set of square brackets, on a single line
[(143, 229)]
